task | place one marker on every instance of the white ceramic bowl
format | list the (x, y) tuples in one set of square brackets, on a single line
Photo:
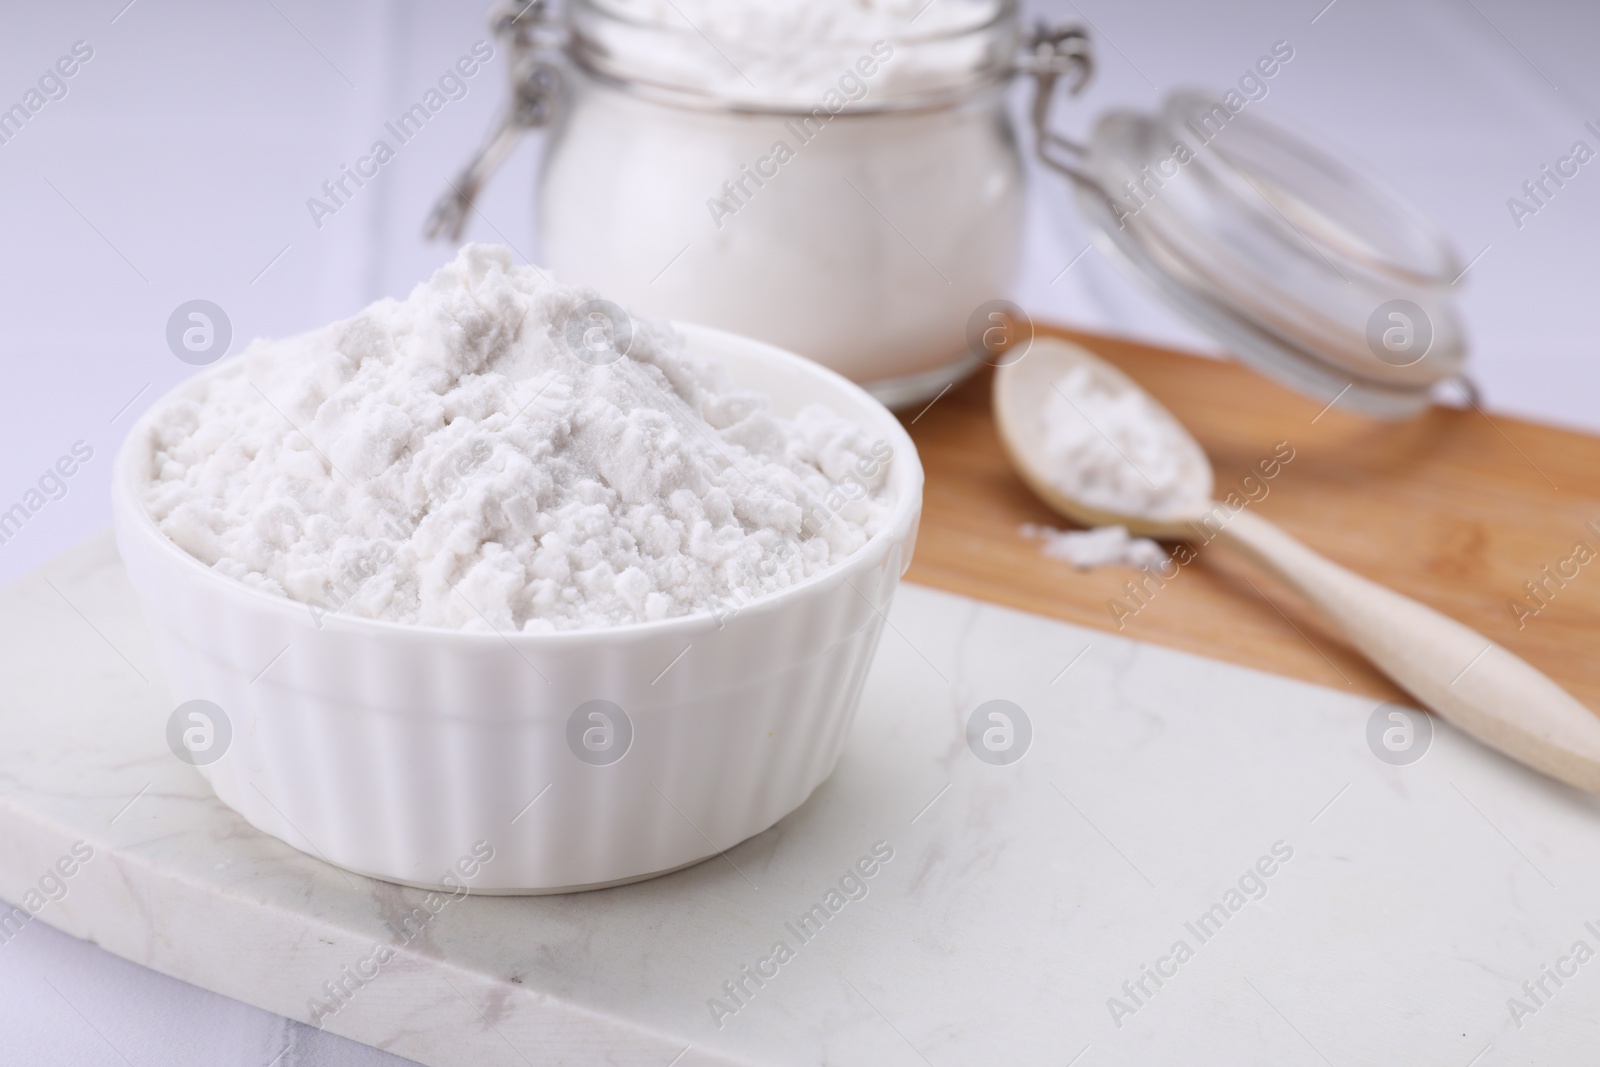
[(394, 750)]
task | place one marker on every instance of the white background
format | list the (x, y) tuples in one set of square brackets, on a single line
[(179, 164)]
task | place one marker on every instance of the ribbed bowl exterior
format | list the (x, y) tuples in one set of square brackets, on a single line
[(394, 751)]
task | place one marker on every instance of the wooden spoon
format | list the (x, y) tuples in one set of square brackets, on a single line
[(1451, 669)]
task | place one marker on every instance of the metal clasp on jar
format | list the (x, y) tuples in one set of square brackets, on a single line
[(1051, 54), (535, 38)]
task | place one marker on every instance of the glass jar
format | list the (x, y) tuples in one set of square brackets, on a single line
[(858, 198), (855, 201)]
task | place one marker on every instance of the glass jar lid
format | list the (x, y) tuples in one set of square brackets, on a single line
[(1307, 270)]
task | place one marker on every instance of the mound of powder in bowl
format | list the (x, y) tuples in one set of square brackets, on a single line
[(449, 460)]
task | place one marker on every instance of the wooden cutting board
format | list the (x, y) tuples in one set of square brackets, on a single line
[(1458, 508)]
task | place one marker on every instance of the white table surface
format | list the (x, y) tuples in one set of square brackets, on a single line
[(179, 162), (1379, 914)]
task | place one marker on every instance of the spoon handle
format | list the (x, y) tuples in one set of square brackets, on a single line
[(1451, 669)]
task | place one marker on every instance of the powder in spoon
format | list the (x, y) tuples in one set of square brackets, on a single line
[(1115, 450), (448, 460)]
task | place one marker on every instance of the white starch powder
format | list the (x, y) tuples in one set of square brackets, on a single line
[(1099, 547), (811, 206), (789, 52), (1114, 450), (447, 460)]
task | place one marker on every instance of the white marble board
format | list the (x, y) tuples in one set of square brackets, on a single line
[(1418, 899)]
